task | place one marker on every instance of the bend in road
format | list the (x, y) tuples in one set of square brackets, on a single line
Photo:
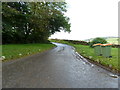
[(56, 68)]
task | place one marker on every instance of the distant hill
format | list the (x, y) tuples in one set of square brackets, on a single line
[(112, 40)]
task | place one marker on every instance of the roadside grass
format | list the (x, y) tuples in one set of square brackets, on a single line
[(60, 41), (88, 52), (14, 51)]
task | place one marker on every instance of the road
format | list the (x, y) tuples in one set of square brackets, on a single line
[(60, 67)]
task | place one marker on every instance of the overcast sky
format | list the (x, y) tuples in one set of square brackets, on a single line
[(91, 18)]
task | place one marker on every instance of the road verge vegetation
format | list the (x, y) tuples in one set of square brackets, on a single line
[(88, 52), (14, 51)]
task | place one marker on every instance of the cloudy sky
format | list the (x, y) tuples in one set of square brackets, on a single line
[(91, 18)]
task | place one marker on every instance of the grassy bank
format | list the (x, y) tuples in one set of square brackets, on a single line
[(88, 52), (14, 51)]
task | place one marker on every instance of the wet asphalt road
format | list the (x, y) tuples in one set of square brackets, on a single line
[(60, 67)]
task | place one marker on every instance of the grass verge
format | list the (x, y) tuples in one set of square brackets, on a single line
[(14, 51), (87, 52)]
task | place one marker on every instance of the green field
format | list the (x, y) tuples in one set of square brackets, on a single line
[(14, 51), (88, 52), (112, 40)]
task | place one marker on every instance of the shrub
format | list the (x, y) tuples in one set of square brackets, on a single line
[(97, 40)]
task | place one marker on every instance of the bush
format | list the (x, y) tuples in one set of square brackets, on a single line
[(97, 40)]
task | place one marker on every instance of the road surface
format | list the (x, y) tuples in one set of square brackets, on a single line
[(60, 67)]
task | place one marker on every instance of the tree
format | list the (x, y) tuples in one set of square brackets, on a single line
[(33, 22), (97, 40), (14, 20)]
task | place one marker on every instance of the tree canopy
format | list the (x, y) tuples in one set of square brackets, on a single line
[(97, 40), (32, 22)]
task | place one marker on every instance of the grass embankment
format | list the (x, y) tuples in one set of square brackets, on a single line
[(14, 51), (88, 52)]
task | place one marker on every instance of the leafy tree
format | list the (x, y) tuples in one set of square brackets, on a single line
[(33, 22), (13, 22), (97, 40)]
